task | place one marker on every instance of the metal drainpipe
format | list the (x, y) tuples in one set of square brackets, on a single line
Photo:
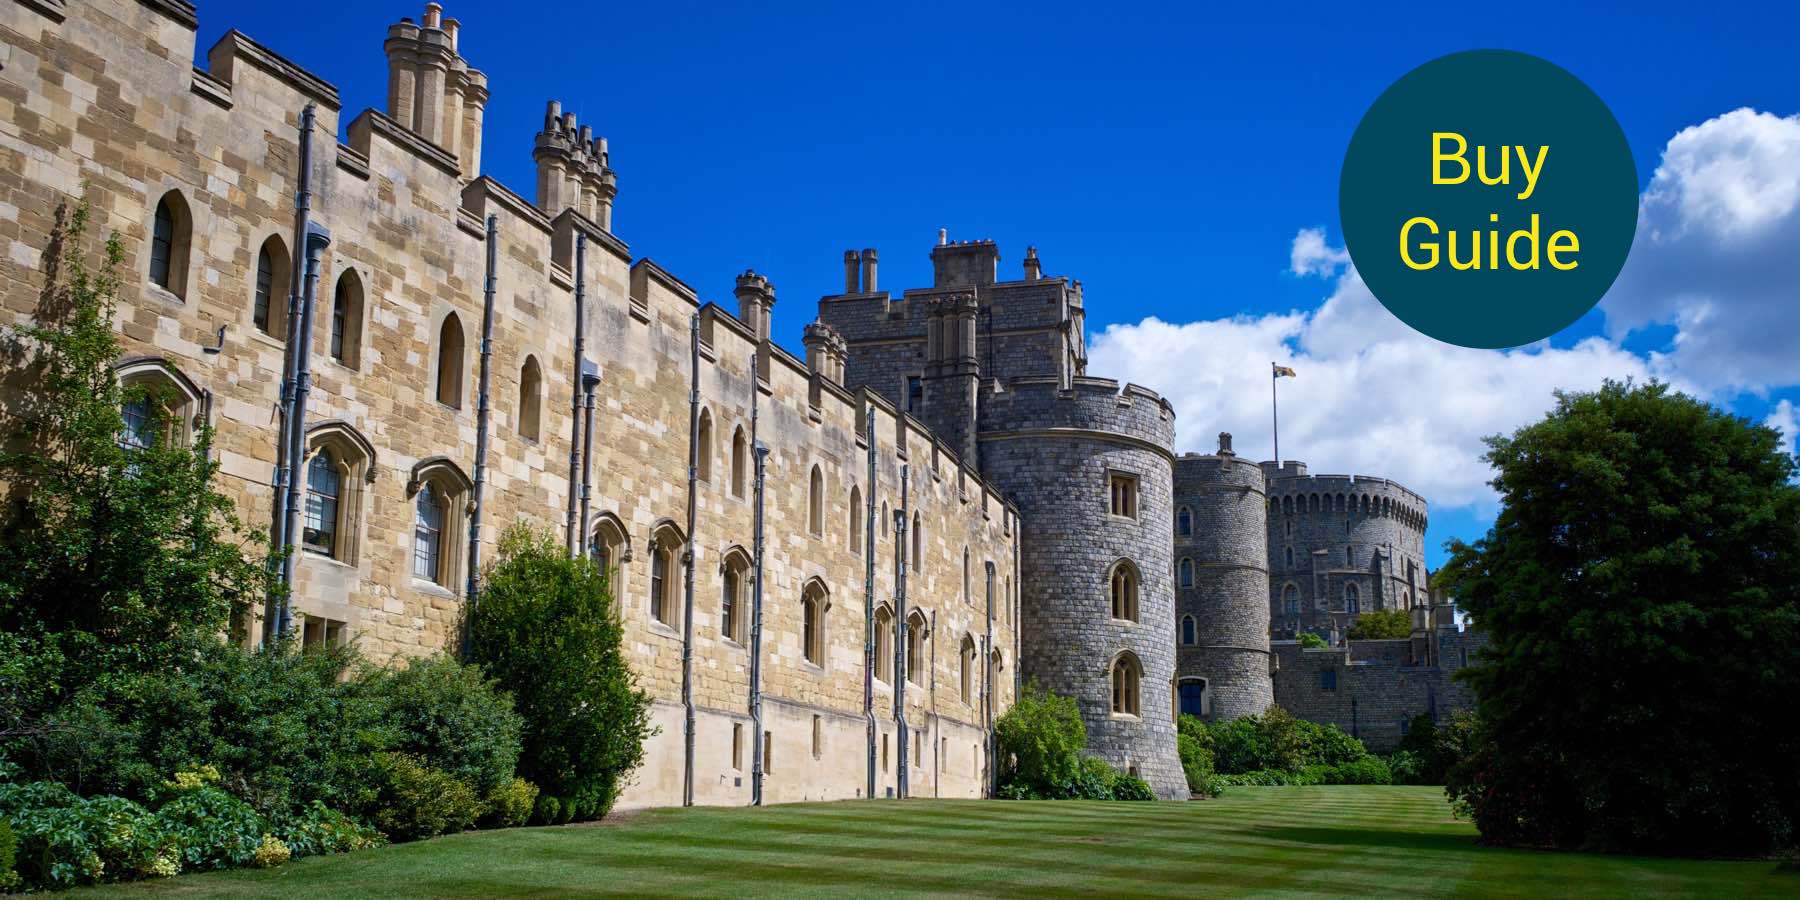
[(869, 607), (937, 721), (317, 239), (483, 410), (687, 563), (575, 526), (900, 783), (590, 379), (990, 786), (761, 452), (1018, 608), (297, 266)]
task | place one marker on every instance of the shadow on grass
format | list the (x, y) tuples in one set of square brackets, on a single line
[(1366, 837)]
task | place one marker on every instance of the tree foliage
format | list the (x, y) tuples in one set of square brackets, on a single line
[(1381, 624), (1312, 641), (1639, 589), (1041, 738), (544, 627)]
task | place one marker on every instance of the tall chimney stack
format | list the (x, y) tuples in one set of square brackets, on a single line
[(868, 271), (852, 261)]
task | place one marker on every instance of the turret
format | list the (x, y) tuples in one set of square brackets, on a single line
[(756, 299), (574, 169), (826, 351)]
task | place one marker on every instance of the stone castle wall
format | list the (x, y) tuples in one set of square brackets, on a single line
[(1329, 532), (1220, 544), (110, 94), (1373, 689)]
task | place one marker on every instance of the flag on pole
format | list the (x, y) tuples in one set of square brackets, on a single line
[(1283, 370)]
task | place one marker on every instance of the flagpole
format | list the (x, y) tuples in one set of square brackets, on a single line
[(1275, 412)]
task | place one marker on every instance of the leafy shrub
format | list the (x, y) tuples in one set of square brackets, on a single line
[(1381, 624), (1328, 745), (1406, 767), (1277, 741), (1311, 641), (211, 829), (64, 840), (416, 801), (1196, 762), (319, 830), (1368, 770), (450, 716), (545, 811), (271, 853), (9, 843), (1276, 778), (546, 631), (1094, 781), (1216, 785), (510, 804), (1041, 738), (1131, 787)]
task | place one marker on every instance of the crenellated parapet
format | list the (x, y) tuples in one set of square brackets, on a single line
[(1099, 407), (1292, 489), (1339, 546)]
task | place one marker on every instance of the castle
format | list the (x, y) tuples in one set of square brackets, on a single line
[(833, 573)]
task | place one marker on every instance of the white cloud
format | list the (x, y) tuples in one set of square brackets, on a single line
[(1785, 418), (1715, 254), (1372, 397)]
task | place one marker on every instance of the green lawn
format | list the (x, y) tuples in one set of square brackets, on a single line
[(1388, 841)]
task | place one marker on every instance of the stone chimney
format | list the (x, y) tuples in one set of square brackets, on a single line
[(432, 92), (574, 168), (1225, 444), (1033, 271), (756, 298), (868, 267), (826, 351), (851, 263)]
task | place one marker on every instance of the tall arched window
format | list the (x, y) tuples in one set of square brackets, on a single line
[(815, 502), (608, 546), (968, 592), (346, 321), (428, 535), (450, 362), (1352, 602), (321, 514), (917, 671), (812, 627), (531, 403), (1188, 635), (966, 670), (171, 231), (1290, 557), (884, 644), (1184, 522), (1127, 678), (665, 542), (1123, 590), (732, 607), (918, 544), (269, 294), (740, 463), (854, 524), (1290, 599), (1186, 572), (704, 444)]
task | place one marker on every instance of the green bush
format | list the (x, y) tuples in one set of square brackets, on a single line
[(1311, 641), (1381, 624), (9, 844), (545, 629), (1131, 787), (545, 810), (1328, 745), (1406, 767), (1368, 770), (510, 804), (1094, 780), (1276, 777), (1276, 741), (416, 801), (210, 829), (318, 830), (64, 840), (1196, 762), (1041, 738), (450, 716)]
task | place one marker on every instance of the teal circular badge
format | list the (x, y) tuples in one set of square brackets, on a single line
[(1488, 198)]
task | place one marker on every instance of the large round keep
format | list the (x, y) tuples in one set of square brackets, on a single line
[(1488, 198)]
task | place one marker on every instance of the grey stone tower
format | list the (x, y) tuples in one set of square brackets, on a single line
[(1339, 546), (997, 370), (1221, 582)]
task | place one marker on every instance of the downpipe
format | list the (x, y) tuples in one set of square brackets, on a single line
[(317, 239), (761, 452), (687, 562), (869, 605), (900, 645), (577, 526), (483, 411), (296, 281)]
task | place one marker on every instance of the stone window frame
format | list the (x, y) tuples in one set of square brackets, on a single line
[(1126, 675), (815, 604), (1290, 591), (608, 530), (349, 295), (447, 382), (741, 475), (967, 586), (665, 545), (1205, 694), (1128, 604), (703, 446), (854, 520), (1352, 597), (280, 283), (318, 633), (815, 502), (734, 562), (884, 644), (918, 665), (177, 259), (1184, 572), (356, 464), (1184, 522), (1123, 488), (448, 480), (1189, 631), (530, 422), (187, 405), (966, 655), (917, 560)]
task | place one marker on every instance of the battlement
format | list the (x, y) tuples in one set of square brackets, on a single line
[(1291, 486), (1086, 404)]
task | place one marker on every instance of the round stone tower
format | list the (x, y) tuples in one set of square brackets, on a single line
[(1091, 469), (1340, 546), (1221, 586)]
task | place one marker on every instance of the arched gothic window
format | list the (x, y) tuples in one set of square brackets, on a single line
[(917, 671), (1290, 600), (813, 603), (733, 600), (1184, 522), (815, 503), (531, 399), (428, 535), (346, 321), (450, 362), (1188, 635), (1186, 572), (966, 670), (1352, 602), (268, 303), (854, 520), (321, 515), (665, 543), (884, 644), (740, 464), (1123, 590), (1127, 678), (704, 443), (171, 235)]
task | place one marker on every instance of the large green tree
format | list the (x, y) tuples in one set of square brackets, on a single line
[(1641, 589)]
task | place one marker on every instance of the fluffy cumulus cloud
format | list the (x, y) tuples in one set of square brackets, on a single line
[(1785, 418), (1717, 256)]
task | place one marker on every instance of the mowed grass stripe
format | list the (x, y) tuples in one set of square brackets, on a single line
[(1259, 842)]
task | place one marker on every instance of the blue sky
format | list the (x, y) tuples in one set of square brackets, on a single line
[(1167, 156)]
